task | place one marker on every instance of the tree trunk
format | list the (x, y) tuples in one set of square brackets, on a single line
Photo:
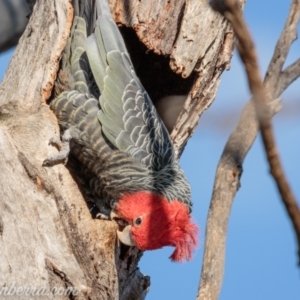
[(49, 239)]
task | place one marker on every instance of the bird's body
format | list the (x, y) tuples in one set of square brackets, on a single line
[(122, 141)]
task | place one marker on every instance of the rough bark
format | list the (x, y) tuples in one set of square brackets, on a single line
[(46, 228)]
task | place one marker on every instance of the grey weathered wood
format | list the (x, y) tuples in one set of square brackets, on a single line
[(155, 22), (30, 76)]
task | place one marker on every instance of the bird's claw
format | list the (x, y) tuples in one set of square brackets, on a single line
[(55, 141), (62, 156), (54, 160), (102, 216)]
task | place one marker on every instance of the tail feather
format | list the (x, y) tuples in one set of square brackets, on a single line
[(102, 8), (97, 63), (79, 65), (105, 39)]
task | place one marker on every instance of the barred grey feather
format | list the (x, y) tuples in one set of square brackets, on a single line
[(119, 138), (126, 106)]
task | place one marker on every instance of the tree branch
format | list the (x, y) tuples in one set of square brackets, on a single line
[(230, 165), (248, 56), (287, 76), (287, 37)]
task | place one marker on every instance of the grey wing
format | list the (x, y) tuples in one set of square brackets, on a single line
[(75, 64), (128, 117)]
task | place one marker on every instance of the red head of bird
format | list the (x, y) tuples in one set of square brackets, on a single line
[(154, 222)]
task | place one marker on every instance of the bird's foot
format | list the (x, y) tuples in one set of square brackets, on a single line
[(102, 216), (101, 212), (63, 147), (108, 213)]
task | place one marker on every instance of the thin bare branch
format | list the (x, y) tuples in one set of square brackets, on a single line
[(229, 169), (287, 37), (248, 56), (227, 182), (287, 76)]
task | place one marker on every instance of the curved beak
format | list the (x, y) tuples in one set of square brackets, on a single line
[(125, 236)]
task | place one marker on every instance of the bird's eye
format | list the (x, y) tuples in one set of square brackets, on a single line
[(137, 221)]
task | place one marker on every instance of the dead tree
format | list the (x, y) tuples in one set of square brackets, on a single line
[(46, 228)]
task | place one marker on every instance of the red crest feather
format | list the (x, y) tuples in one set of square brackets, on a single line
[(163, 224)]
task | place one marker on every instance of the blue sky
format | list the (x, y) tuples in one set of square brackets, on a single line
[(261, 247)]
